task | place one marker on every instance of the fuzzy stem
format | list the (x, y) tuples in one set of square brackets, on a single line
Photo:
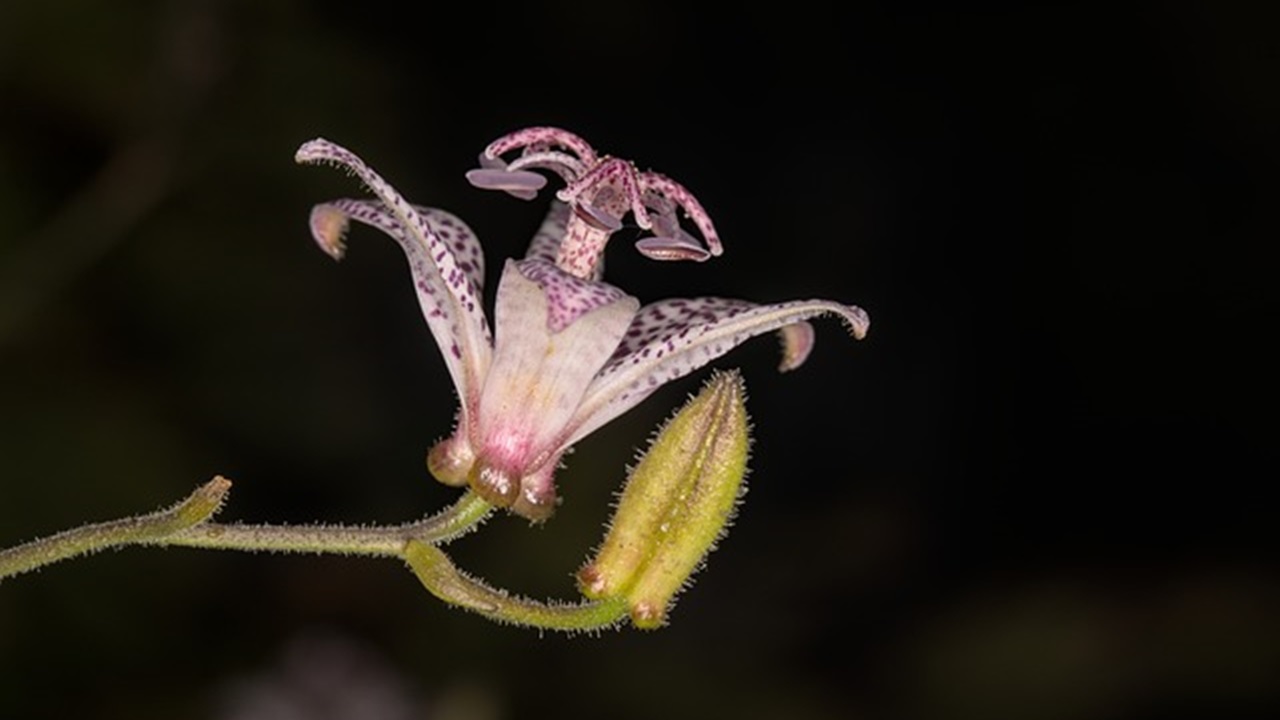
[(186, 524), (389, 541), (195, 509), (444, 580)]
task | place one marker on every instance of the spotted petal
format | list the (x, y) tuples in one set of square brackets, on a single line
[(569, 297), (539, 372), (446, 283), (672, 338), (448, 227)]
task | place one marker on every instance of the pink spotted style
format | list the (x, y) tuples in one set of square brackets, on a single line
[(569, 352)]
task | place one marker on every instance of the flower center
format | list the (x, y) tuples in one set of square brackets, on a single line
[(601, 190)]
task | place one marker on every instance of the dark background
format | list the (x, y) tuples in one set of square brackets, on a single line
[(1036, 489)]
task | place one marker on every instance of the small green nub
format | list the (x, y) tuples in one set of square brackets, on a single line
[(676, 503)]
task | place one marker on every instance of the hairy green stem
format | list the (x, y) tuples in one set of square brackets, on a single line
[(379, 541), (186, 524), (197, 508), (444, 580)]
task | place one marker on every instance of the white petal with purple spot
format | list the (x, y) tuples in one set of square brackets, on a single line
[(672, 338), (539, 375), (569, 297), (450, 299)]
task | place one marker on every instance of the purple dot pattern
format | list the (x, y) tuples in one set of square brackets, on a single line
[(661, 342), (539, 139), (546, 242), (671, 338), (603, 190), (446, 285), (449, 228), (657, 328), (568, 297)]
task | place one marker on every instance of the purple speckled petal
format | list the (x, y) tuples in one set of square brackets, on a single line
[(667, 317), (672, 338), (539, 374), (455, 233), (568, 297), (450, 299)]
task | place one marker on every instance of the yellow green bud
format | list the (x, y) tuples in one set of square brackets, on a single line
[(676, 504)]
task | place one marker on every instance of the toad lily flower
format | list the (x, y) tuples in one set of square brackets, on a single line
[(570, 352)]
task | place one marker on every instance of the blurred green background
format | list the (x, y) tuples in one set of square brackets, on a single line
[(1035, 491)]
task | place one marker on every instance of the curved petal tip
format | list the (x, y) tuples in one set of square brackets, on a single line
[(797, 342), (313, 150), (859, 321), (329, 229)]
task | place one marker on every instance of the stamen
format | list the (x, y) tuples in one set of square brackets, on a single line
[(521, 183), (678, 194), (609, 172), (672, 247), (601, 190), (669, 241), (597, 218)]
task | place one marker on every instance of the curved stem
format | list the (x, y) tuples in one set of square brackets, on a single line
[(186, 524), (195, 509), (444, 580), (460, 518)]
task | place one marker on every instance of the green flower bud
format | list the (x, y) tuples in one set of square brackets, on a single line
[(676, 504)]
